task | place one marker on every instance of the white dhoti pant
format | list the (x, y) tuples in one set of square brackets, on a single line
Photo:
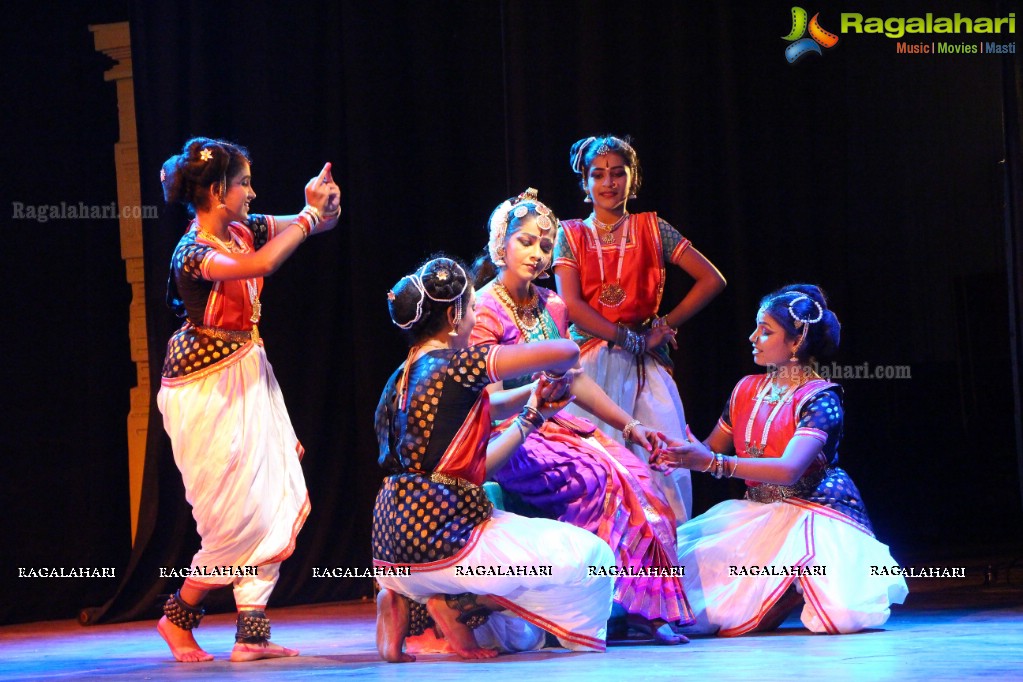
[(239, 459), (566, 601), (737, 554)]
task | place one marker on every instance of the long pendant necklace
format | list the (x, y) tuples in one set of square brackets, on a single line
[(527, 317), (611, 294), (250, 284), (608, 230), (758, 451)]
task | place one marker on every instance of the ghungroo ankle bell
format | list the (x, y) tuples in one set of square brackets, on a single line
[(181, 613), (253, 627), (470, 613)]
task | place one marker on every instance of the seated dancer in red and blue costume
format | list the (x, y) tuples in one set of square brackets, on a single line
[(568, 469), (431, 515), (801, 536), (222, 408)]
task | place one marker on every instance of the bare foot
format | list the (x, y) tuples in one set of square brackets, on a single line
[(392, 627), (181, 642), (243, 652), (458, 634), (430, 642), (658, 629)]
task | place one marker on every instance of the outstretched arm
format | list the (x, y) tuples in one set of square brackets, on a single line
[(799, 454), (266, 261)]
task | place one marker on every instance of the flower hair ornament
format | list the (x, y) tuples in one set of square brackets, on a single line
[(803, 323), (445, 269), (517, 207)]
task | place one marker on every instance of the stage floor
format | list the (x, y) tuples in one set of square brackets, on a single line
[(939, 634)]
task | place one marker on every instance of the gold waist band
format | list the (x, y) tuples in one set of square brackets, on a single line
[(235, 335), (444, 479)]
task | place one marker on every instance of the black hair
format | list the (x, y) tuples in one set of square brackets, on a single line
[(585, 150), (187, 176), (444, 284), (822, 337)]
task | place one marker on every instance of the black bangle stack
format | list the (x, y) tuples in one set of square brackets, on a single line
[(532, 416), (630, 341)]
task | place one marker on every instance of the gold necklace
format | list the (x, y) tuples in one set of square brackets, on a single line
[(612, 294), (527, 317), (607, 230), (250, 284), (209, 236)]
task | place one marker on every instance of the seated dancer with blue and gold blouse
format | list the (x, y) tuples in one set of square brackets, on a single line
[(432, 518)]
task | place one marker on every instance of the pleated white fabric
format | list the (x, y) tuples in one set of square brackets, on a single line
[(832, 552), (568, 603), (239, 458)]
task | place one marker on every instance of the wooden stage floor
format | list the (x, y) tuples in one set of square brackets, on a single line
[(949, 633)]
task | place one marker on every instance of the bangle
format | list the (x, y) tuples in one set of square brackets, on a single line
[(719, 465), (310, 217), (303, 224), (620, 337), (532, 416), (317, 217), (710, 464), (628, 429), (518, 421), (735, 465), (553, 377)]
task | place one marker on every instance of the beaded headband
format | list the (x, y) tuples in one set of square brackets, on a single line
[(517, 207), (443, 273)]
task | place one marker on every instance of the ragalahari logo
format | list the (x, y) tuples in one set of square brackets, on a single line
[(801, 46)]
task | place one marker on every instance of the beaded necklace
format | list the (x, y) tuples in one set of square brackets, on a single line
[(786, 397), (527, 318), (608, 229), (611, 294)]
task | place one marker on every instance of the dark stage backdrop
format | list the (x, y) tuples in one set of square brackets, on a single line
[(878, 175)]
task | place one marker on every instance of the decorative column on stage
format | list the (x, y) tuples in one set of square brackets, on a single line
[(114, 40)]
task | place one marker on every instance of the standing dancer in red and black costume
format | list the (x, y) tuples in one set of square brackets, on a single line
[(232, 437)]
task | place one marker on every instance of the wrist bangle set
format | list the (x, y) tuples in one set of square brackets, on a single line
[(628, 429), (532, 416), (630, 341), (529, 417), (307, 220), (719, 465)]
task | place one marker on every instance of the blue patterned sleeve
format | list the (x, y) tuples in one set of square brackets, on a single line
[(821, 418), (673, 244), (562, 249), (188, 260), (387, 457), (263, 228)]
